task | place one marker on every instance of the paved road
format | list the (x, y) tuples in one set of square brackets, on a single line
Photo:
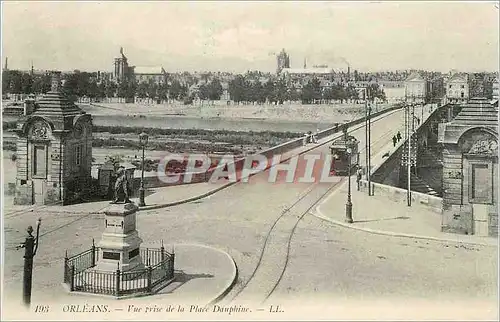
[(322, 260)]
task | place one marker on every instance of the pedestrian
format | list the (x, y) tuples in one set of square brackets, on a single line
[(304, 141), (359, 174), (399, 136), (315, 136), (309, 137), (418, 121), (394, 140)]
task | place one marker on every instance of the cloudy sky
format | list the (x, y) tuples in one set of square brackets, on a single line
[(237, 36)]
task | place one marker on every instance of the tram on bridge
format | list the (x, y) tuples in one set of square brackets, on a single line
[(340, 150)]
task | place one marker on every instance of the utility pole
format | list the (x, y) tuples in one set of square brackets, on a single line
[(366, 133), (369, 149), (408, 160)]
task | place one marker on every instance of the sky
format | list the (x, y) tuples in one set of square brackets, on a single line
[(241, 36)]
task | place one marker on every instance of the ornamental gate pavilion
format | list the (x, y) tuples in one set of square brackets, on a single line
[(54, 151)]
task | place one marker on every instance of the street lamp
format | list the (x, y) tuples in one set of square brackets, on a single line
[(30, 246), (143, 141), (348, 205)]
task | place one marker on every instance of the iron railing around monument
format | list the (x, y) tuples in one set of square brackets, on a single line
[(80, 275)]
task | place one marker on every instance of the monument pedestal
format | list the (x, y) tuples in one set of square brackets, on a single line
[(120, 243)]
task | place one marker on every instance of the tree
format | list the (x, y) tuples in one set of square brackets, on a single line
[(214, 90), (142, 90), (175, 90), (280, 91), (352, 93), (41, 84), (110, 89), (92, 90), (152, 90), (307, 95), (70, 87), (26, 83), (374, 91), (270, 91), (163, 92), (101, 91), (237, 89), (122, 90)]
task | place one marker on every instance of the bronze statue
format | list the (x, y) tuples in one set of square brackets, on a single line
[(121, 187)]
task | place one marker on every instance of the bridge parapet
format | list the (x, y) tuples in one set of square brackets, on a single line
[(426, 165)]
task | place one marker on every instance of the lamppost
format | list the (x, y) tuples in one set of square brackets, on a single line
[(348, 205), (30, 246), (143, 141)]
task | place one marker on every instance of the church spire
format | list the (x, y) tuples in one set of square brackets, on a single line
[(6, 63), (305, 63)]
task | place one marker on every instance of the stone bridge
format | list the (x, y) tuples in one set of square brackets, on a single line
[(454, 160)]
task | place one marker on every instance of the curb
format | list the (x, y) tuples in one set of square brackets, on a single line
[(230, 285), (211, 192), (319, 214), (182, 201)]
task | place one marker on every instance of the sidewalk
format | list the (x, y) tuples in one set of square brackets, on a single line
[(155, 198), (379, 215), (382, 216)]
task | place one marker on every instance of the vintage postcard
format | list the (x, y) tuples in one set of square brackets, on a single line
[(257, 160)]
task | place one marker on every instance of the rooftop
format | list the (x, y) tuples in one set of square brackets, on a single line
[(149, 70), (307, 70)]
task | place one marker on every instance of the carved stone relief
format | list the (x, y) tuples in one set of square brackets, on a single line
[(39, 131), (484, 147)]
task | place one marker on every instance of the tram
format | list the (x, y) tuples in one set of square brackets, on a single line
[(340, 165)]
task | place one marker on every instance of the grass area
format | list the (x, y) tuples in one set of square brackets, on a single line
[(179, 140)]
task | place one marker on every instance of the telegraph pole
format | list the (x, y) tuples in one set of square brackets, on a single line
[(369, 149), (408, 160), (366, 134)]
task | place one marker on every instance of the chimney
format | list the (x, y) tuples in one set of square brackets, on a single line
[(56, 82)]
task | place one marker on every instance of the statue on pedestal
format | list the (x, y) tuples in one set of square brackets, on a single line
[(121, 187)]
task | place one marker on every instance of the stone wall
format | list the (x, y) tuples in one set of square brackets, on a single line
[(452, 175), (400, 195)]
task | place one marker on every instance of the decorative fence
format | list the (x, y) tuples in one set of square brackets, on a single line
[(78, 276)]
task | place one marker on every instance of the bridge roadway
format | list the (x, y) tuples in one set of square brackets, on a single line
[(290, 255), (294, 256)]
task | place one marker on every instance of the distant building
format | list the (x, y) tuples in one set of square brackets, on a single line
[(457, 89), (416, 88), (122, 71), (145, 74), (394, 90), (323, 71), (436, 90), (283, 61)]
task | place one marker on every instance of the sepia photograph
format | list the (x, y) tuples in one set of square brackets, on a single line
[(249, 160)]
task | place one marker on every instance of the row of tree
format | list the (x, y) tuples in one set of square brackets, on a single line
[(243, 88), (278, 91)]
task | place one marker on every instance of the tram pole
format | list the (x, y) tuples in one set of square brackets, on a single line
[(408, 160), (369, 151), (366, 133)]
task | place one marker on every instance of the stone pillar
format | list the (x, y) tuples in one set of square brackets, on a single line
[(119, 246)]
